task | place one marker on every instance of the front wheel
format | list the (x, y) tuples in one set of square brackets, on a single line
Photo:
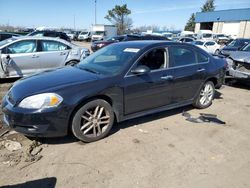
[(93, 121), (205, 96)]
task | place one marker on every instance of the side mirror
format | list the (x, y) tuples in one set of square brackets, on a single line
[(142, 69)]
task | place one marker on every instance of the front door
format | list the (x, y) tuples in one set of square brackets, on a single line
[(151, 90), (21, 58)]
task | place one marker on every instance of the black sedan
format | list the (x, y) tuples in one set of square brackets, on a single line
[(119, 82)]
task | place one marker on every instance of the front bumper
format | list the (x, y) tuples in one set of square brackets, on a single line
[(47, 123), (238, 74)]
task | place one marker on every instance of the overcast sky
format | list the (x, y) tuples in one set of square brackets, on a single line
[(61, 13)]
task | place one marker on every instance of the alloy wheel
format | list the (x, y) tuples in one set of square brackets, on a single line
[(94, 121), (206, 94)]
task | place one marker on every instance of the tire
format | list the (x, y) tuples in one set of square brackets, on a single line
[(71, 63), (217, 52), (205, 98), (97, 114)]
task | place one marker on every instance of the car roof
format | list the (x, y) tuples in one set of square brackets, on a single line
[(44, 38), (146, 43)]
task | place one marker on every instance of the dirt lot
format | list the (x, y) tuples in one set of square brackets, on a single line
[(161, 150)]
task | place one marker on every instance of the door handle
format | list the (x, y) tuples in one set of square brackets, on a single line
[(168, 77), (201, 70), (62, 53), (35, 56)]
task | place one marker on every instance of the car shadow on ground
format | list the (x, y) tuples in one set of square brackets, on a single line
[(8, 80), (40, 183), (238, 84)]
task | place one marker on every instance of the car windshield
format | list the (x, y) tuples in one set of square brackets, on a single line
[(246, 48), (99, 33), (207, 35), (198, 43), (220, 35), (235, 43), (6, 41), (109, 60), (84, 33)]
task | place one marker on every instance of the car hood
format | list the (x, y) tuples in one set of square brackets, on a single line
[(50, 80), (240, 56), (228, 48)]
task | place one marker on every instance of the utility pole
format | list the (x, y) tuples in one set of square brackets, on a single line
[(74, 22), (95, 12)]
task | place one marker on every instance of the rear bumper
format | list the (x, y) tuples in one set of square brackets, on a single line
[(52, 123)]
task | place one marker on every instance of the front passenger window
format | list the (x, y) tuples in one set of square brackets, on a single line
[(155, 59), (27, 46)]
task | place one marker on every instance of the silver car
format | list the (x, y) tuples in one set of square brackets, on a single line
[(239, 63), (23, 56)]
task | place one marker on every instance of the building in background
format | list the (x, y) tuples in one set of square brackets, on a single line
[(234, 22)]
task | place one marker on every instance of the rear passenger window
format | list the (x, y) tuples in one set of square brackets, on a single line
[(202, 58), (181, 56), (52, 46)]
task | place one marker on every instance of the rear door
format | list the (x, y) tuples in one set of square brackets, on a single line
[(21, 57), (188, 70), (52, 54)]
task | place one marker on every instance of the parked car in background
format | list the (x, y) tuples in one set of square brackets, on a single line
[(84, 36), (220, 38), (210, 46), (235, 45), (186, 39), (239, 63), (205, 35), (50, 33), (100, 44), (168, 35), (71, 35), (119, 82), (28, 55), (5, 35)]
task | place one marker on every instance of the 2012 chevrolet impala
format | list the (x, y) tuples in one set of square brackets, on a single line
[(119, 82)]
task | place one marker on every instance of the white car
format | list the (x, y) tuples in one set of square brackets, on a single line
[(210, 46), (84, 36)]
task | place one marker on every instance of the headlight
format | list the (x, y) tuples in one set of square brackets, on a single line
[(40, 101)]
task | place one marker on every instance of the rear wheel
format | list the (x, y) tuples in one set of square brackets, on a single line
[(93, 121), (217, 52), (71, 63), (206, 95)]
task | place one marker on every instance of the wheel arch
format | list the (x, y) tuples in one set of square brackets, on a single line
[(214, 80), (71, 60), (104, 97)]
